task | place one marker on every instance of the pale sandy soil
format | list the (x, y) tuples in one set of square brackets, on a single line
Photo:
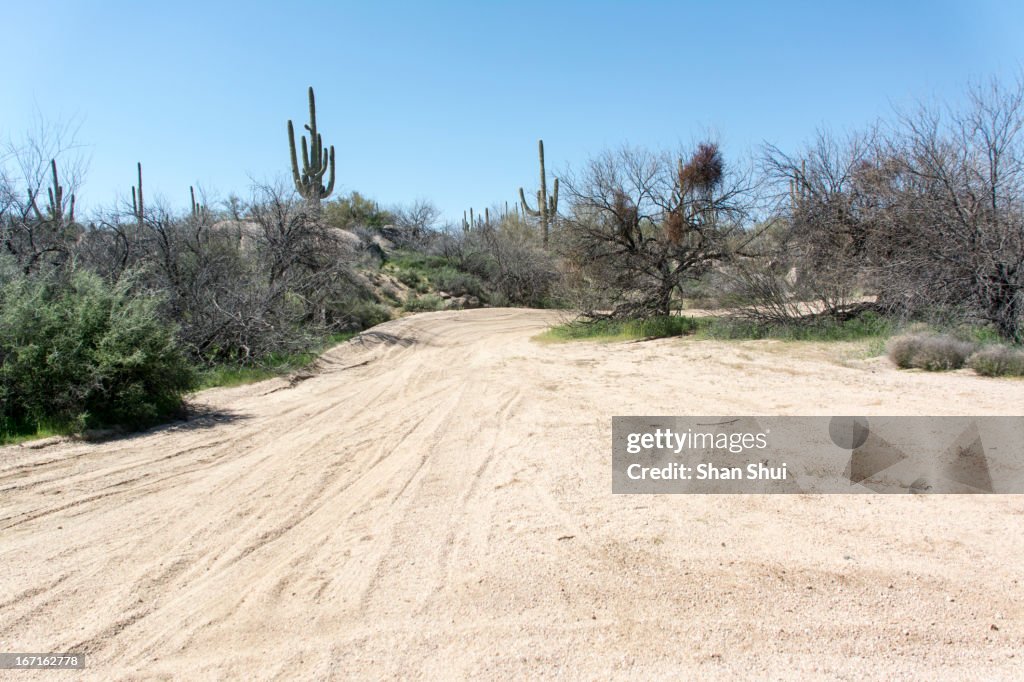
[(437, 504)]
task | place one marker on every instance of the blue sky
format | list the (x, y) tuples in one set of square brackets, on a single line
[(446, 100)]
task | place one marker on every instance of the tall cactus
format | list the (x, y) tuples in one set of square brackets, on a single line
[(56, 193), (197, 208), (315, 162), (137, 207), (547, 207), (473, 222)]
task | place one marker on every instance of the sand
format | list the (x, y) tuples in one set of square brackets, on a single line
[(436, 503)]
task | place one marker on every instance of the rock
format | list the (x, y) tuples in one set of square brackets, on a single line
[(375, 250), (461, 302), (383, 243), (345, 236)]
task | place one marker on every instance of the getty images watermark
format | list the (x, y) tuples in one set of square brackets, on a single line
[(818, 454)]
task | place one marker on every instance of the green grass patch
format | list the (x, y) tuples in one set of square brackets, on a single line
[(12, 434), (411, 260), (621, 330), (232, 375), (278, 364), (867, 326)]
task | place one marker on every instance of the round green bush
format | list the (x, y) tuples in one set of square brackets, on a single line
[(78, 352)]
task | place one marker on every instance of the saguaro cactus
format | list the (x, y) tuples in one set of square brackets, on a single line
[(547, 207), (316, 162), (197, 208), (56, 193), (137, 207)]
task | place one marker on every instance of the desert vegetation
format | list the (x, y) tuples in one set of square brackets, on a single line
[(913, 227), (112, 317)]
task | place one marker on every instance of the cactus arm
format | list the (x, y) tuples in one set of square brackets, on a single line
[(330, 181), (71, 210), (305, 157), (291, 148), (312, 118), (526, 206), (318, 170)]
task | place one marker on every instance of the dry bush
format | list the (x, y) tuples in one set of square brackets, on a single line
[(998, 361), (932, 352), (273, 281), (508, 257), (925, 212)]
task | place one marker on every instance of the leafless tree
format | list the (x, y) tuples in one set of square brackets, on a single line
[(926, 213), (950, 195), (641, 224), (413, 223), (814, 257), (239, 288)]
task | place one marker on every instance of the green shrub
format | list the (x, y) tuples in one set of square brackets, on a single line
[(355, 210), (932, 352), (79, 353), (409, 278), (427, 303), (366, 314), (414, 260), (457, 283), (998, 361), (622, 330)]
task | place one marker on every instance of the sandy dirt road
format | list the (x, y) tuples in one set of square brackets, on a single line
[(435, 503)]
